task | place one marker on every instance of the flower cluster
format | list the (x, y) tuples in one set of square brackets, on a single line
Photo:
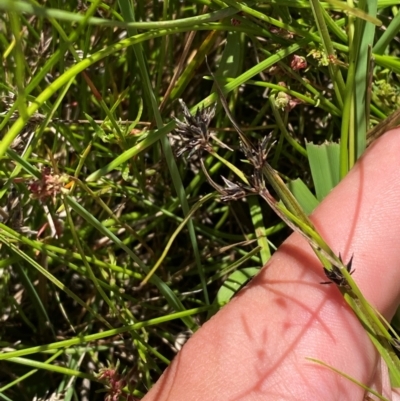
[(336, 276), (195, 137), (48, 186), (193, 131), (115, 383)]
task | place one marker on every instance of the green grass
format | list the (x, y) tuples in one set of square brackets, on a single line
[(111, 246)]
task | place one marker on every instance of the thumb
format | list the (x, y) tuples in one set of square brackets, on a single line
[(256, 347)]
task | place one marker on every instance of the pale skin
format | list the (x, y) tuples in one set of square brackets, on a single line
[(256, 347)]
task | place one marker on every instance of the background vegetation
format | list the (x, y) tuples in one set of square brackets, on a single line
[(113, 249)]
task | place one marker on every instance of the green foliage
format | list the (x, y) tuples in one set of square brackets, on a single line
[(111, 245)]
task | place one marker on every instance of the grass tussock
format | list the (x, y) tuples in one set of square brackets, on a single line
[(128, 217)]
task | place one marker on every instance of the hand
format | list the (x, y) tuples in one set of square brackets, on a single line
[(256, 347)]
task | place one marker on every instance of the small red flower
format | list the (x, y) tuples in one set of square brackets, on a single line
[(235, 21), (115, 384), (48, 186), (298, 63)]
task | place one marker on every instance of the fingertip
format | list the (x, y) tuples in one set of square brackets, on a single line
[(361, 218)]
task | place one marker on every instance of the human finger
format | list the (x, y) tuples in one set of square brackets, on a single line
[(256, 347)]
